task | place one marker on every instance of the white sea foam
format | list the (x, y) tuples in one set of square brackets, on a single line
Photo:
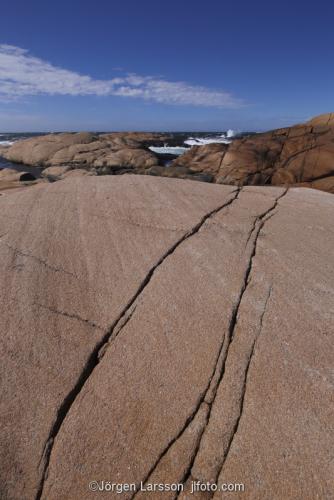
[(225, 138), (6, 143), (169, 150), (201, 141), (219, 139)]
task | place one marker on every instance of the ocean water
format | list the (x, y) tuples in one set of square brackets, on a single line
[(7, 139)]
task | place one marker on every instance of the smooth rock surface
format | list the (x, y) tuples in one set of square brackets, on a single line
[(179, 172), (165, 330)]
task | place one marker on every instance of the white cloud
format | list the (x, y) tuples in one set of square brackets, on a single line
[(24, 75)]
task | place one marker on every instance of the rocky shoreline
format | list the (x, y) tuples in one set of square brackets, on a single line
[(301, 155)]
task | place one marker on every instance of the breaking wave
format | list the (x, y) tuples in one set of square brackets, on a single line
[(224, 138)]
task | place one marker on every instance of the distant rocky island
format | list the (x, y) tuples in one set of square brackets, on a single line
[(159, 333)]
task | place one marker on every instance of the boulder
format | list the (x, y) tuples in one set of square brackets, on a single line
[(158, 330)]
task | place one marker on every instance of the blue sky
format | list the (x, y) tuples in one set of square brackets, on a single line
[(177, 65)]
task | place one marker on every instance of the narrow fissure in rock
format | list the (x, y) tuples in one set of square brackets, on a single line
[(209, 394), (255, 231), (244, 388)]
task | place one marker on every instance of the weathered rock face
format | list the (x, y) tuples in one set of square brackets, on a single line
[(301, 155), (206, 158), (164, 330), (117, 150)]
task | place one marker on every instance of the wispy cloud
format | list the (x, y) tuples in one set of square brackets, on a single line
[(22, 74)]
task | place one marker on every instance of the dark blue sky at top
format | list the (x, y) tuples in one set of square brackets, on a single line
[(276, 57)]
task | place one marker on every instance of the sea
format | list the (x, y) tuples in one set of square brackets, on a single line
[(180, 143), (7, 139)]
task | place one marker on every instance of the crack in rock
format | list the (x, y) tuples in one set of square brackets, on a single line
[(99, 348), (219, 368), (201, 400), (255, 231), (120, 325), (44, 263), (244, 388), (69, 315), (235, 426)]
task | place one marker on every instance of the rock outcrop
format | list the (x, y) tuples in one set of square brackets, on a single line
[(302, 155), (160, 330), (111, 152)]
